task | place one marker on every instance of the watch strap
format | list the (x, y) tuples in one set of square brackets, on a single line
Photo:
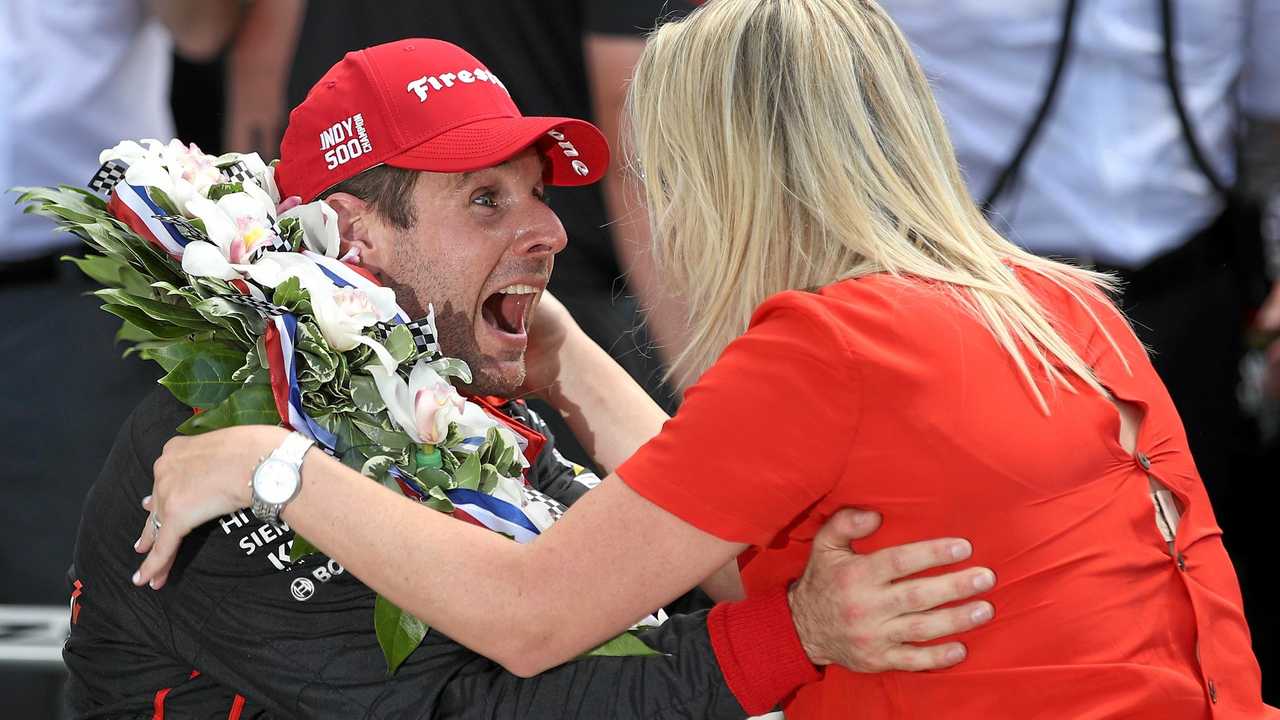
[(293, 449), (291, 452)]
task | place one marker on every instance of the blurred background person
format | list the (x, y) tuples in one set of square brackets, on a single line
[(75, 77), (1064, 118), (566, 57)]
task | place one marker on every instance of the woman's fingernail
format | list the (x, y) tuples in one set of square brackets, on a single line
[(137, 545), (152, 584), (984, 580), (961, 550), (146, 500), (137, 577), (955, 654)]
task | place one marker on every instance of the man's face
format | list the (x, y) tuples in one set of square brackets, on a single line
[(481, 252)]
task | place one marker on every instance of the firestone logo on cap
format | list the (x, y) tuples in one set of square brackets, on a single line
[(444, 81), (345, 141)]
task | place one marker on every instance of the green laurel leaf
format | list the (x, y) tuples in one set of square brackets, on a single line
[(399, 633), (130, 334), (168, 354), (625, 645), (364, 393), (205, 377), (250, 405), (392, 440), (145, 322), (181, 315), (448, 367), (219, 190), (289, 294), (468, 476), (400, 344)]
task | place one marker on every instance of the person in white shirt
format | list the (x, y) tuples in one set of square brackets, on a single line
[(1109, 179), (76, 76)]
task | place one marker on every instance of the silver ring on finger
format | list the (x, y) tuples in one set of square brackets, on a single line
[(156, 525)]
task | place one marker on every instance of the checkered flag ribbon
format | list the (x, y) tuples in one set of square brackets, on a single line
[(183, 226), (423, 332), (237, 172), (424, 335), (552, 506), (111, 173), (262, 306)]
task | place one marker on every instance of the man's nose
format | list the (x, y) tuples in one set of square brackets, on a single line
[(541, 234)]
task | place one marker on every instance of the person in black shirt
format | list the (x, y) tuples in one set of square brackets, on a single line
[(243, 627)]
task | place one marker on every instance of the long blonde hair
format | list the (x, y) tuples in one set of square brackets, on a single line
[(788, 144)]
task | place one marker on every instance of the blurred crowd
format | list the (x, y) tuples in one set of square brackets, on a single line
[(1140, 137)]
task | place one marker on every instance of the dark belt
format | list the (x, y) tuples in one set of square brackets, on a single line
[(38, 270), (1210, 250)]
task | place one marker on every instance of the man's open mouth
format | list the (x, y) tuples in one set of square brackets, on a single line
[(508, 309)]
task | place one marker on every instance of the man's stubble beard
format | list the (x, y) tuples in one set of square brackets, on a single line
[(455, 332), (455, 329)]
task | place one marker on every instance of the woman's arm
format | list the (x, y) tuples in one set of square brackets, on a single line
[(529, 607), (608, 411)]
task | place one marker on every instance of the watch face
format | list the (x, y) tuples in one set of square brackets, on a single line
[(275, 481)]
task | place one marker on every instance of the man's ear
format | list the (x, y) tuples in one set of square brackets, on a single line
[(359, 227)]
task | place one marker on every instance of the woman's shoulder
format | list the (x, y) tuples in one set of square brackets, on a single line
[(864, 312), (865, 298)]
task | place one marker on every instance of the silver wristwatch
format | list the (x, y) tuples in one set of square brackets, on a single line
[(278, 478)]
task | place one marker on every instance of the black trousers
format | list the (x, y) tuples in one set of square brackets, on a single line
[(64, 391), (1189, 308)]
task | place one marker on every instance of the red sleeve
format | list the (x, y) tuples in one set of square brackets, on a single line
[(764, 433), (758, 650)]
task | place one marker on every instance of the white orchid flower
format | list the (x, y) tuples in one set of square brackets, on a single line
[(319, 227), (191, 173), (268, 183), (150, 172), (131, 152), (238, 223), (343, 314), (424, 407), (202, 259)]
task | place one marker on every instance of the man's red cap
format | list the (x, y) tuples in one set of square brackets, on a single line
[(422, 104)]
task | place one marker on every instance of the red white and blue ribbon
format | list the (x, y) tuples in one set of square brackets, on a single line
[(132, 206), (494, 513), (282, 359), (344, 276), (475, 507)]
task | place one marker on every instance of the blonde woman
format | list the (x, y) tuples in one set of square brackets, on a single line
[(861, 337)]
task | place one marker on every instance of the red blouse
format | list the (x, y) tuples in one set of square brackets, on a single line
[(885, 393)]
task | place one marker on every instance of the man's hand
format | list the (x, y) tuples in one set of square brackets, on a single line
[(1268, 325), (856, 611)]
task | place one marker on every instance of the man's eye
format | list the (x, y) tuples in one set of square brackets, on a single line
[(485, 200)]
